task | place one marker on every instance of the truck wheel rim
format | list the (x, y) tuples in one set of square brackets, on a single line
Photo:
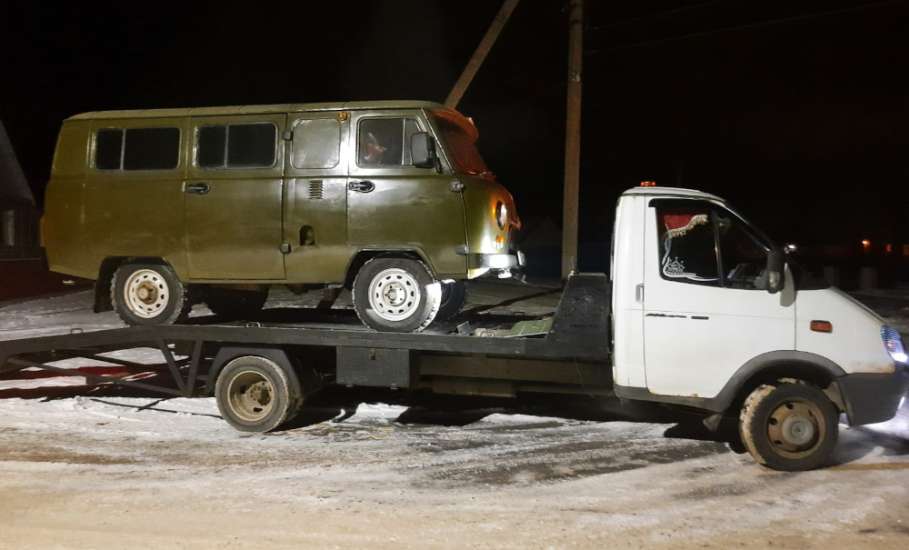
[(796, 428), (146, 293), (394, 294), (251, 396)]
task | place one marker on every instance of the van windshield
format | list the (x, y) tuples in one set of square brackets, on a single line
[(462, 148)]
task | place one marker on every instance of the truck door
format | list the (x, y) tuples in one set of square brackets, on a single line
[(393, 204), (706, 308), (233, 198), (315, 223)]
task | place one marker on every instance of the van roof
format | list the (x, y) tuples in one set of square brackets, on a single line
[(259, 109)]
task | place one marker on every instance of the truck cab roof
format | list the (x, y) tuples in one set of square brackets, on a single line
[(672, 192)]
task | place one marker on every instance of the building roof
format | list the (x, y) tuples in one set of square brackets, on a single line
[(260, 109)]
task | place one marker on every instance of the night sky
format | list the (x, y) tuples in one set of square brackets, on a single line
[(797, 112)]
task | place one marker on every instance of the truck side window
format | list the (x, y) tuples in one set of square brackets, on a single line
[(236, 146), (385, 141), (687, 251), (317, 143), (744, 258)]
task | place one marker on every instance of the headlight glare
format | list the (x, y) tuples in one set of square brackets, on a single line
[(894, 344)]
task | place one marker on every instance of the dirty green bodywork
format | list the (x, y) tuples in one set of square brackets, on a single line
[(278, 224)]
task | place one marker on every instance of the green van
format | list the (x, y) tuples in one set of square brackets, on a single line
[(167, 207)]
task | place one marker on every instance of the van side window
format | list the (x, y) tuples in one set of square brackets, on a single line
[(385, 141), (108, 149), (236, 146), (686, 242), (137, 149), (317, 143)]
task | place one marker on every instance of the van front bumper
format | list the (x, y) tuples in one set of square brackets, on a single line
[(872, 398), (480, 264)]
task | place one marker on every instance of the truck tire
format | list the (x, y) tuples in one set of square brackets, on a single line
[(396, 295), (254, 394), (148, 294), (453, 297), (789, 427), (235, 304)]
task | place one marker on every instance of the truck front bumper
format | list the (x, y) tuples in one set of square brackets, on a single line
[(872, 398)]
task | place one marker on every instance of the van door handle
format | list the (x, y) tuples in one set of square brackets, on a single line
[(364, 186), (197, 188)]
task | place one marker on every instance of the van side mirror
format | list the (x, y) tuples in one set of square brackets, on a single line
[(423, 150), (775, 265)]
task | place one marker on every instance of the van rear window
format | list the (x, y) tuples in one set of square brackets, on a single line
[(236, 146), (137, 149)]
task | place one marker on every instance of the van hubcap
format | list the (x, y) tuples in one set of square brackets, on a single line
[(146, 293), (796, 428), (394, 294)]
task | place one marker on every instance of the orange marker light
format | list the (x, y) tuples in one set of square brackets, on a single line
[(648, 183), (866, 245), (821, 326)]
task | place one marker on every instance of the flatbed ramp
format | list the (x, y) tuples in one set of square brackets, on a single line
[(578, 335)]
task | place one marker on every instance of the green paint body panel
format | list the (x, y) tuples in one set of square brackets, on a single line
[(278, 224)]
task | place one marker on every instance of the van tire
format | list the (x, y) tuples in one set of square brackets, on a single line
[(790, 426), (412, 304), (235, 304), (155, 296), (254, 394), (454, 295)]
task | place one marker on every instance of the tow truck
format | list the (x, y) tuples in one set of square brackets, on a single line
[(701, 312)]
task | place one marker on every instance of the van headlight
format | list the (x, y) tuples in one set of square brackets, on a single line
[(501, 214), (894, 344)]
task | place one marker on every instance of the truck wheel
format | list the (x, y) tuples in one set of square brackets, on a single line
[(396, 295), (235, 304), (453, 297), (148, 294), (255, 395), (789, 427)]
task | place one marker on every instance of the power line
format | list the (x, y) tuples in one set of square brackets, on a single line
[(633, 20), (746, 26)]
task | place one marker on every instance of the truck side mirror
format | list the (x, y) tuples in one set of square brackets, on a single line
[(423, 150), (775, 265)]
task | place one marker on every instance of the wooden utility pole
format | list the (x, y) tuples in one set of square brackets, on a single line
[(572, 138), (489, 39)]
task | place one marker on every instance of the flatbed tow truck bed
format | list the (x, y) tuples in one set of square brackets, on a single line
[(574, 351)]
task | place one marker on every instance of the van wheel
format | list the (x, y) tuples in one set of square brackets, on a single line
[(254, 394), (148, 294), (789, 427), (235, 304), (453, 297), (396, 295)]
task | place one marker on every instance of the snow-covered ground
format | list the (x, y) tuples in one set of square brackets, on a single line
[(83, 467)]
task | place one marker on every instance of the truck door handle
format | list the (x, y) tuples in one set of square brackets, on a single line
[(364, 186), (198, 188)]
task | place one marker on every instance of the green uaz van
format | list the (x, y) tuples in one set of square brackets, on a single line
[(167, 207)]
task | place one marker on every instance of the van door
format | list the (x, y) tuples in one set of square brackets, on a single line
[(706, 308), (315, 211), (233, 198), (392, 204)]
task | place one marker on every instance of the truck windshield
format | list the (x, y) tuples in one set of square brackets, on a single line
[(462, 148)]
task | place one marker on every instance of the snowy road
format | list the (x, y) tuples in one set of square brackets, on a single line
[(91, 468)]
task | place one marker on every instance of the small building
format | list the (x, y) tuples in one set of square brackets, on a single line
[(18, 212)]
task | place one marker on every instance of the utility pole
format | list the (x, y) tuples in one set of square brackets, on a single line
[(572, 138), (489, 39)]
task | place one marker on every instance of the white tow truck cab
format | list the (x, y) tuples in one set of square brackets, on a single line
[(709, 313)]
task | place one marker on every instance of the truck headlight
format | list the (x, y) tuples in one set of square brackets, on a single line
[(501, 214), (894, 344)]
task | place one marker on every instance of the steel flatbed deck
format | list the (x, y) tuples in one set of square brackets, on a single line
[(578, 334)]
